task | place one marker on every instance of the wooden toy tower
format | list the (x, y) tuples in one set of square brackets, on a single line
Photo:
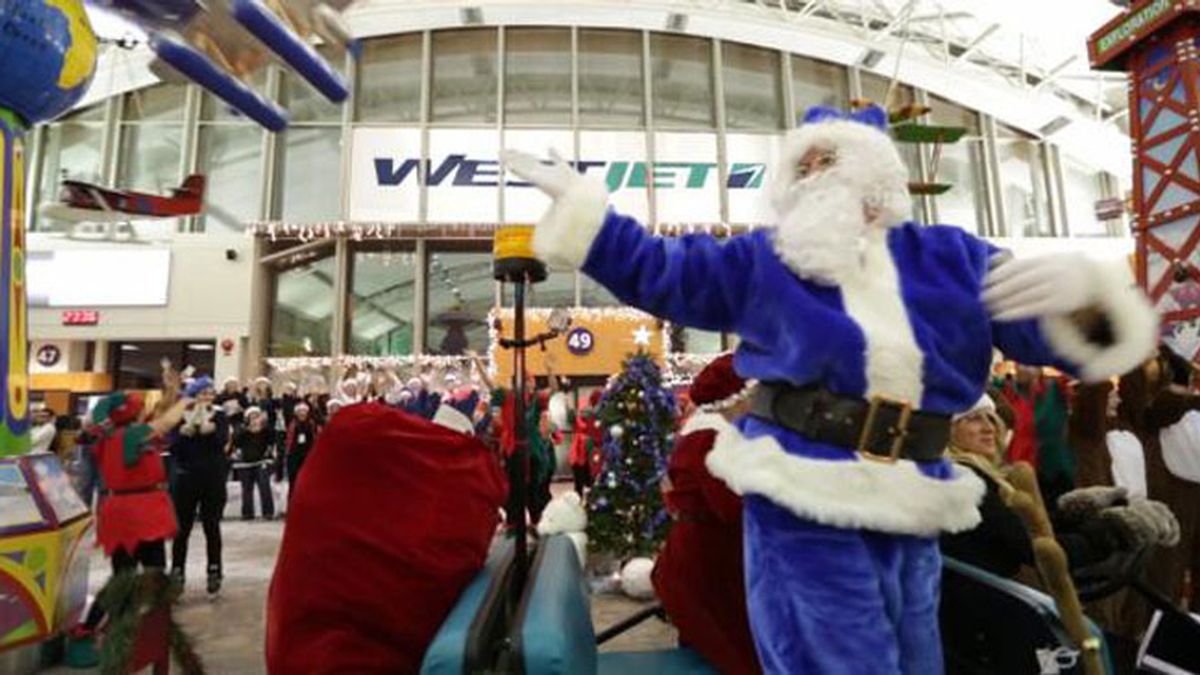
[(1156, 42)]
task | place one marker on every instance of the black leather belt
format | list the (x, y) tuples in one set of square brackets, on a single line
[(879, 429)]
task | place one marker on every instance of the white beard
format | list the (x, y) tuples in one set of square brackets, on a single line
[(822, 231)]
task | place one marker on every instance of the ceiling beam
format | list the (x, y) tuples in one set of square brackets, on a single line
[(974, 44)]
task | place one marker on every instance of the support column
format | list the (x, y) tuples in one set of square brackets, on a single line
[(14, 343)]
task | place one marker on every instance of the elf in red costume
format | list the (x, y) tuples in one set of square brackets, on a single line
[(395, 518), (585, 456), (135, 516), (698, 575)]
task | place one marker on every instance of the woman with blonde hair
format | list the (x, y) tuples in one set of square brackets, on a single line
[(1090, 524)]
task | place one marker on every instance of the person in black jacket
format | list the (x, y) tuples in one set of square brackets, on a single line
[(1091, 524), (252, 463), (301, 437), (202, 466)]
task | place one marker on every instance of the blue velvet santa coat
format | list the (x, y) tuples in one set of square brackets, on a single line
[(842, 568)]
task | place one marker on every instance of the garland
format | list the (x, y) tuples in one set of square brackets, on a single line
[(127, 598)]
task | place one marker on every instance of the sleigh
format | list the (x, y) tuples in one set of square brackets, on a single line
[(989, 625)]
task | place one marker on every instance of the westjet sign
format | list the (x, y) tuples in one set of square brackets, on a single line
[(461, 170), (462, 183)]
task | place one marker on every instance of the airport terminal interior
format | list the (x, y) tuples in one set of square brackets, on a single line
[(544, 337)]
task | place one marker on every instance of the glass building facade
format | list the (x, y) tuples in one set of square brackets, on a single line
[(573, 87)]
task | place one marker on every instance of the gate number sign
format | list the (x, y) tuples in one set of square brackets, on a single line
[(580, 341)]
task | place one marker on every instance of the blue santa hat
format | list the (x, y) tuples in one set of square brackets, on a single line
[(871, 115), (198, 385)]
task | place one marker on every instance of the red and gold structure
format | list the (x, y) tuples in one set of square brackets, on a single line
[(1156, 42)]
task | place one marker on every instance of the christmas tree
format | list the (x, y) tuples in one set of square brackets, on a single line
[(626, 516)]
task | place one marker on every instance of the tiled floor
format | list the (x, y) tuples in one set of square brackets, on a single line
[(229, 629)]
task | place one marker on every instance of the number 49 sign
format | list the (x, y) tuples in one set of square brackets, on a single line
[(580, 341)]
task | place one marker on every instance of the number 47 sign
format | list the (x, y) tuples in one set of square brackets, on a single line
[(580, 341)]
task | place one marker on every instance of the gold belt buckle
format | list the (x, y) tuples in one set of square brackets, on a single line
[(899, 433)]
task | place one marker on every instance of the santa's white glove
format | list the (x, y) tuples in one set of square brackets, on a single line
[(554, 177), (1042, 286), (564, 235)]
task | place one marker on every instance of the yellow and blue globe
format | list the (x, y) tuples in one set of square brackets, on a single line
[(47, 57)]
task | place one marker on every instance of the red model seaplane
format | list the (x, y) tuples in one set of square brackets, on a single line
[(87, 202)]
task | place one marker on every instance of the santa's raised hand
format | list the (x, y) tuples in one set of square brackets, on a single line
[(1033, 287), (566, 231)]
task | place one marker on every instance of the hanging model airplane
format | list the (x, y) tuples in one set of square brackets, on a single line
[(87, 202)]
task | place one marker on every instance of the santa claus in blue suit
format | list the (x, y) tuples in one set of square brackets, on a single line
[(866, 331)]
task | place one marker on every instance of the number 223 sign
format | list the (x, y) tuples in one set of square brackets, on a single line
[(580, 341)]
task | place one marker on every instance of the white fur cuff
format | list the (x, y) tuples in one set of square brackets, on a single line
[(1134, 325), (565, 234), (892, 498)]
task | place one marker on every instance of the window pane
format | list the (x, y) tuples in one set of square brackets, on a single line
[(69, 151), (231, 157), (382, 300), (1081, 188), (610, 78), (960, 167), (461, 293), (753, 87), (875, 89), (311, 167), (302, 313), (150, 156), (464, 76), (390, 79), (159, 103), (1022, 184), (952, 114), (817, 83), (537, 76), (681, 72), (592, 294), (306, 104), (558, 290)]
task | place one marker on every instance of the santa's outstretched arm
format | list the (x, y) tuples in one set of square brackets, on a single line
[(1066, 310), (695, 280)]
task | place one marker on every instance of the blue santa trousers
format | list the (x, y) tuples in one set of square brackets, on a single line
[(831, 601)]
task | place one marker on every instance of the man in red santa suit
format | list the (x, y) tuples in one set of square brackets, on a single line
[(395, 519), (698, 575)]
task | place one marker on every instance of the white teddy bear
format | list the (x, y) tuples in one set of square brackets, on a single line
[(565, 515)]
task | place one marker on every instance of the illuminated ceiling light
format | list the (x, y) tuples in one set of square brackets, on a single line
[(471, 16), (126, 347), (200, 347), (1054, 126), (871, 58), (676, 22)]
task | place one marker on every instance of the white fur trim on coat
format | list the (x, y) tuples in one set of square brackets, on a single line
[(1134, 324), (566, 232), (860, 494)]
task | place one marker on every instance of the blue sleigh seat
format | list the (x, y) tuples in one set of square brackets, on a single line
[(467, 639), (994, 625), (553, 633)]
